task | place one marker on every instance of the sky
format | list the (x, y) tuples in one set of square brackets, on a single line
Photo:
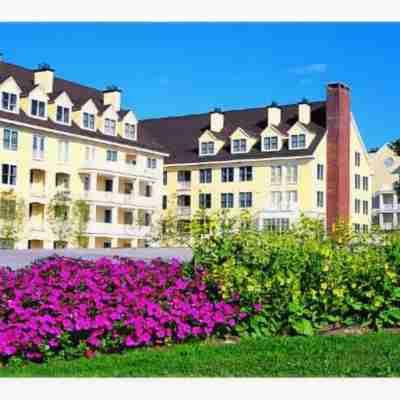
[(168, 69)]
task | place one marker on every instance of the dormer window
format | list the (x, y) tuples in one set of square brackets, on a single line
[(298, 141), (109, 126), (38, 108), (239, 146), (130, 131), (271, 143), (88, 121), (207, 149), (9, 101), (63, 115)]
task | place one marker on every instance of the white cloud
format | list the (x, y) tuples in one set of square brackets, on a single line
[(309, 69)]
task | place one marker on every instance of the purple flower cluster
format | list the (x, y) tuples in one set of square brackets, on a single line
[(105, 305)]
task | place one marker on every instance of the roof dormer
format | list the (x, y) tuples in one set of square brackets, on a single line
[(87, 115), (44, 77), (110, 118), (300, 137), (241, 141), (216, 120), (209, 144), (9, 92), (272, 139), (128, 123), (274, 114), (37, 103), (61, 108), (112, 96)]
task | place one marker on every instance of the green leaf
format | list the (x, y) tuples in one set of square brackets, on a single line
[(303, 327), (394, 313)]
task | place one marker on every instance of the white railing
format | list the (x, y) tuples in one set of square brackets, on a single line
[(183, 185), (38, 191), (183, 211), (122, 199), (284, 206), (390, 206), (101, 228)]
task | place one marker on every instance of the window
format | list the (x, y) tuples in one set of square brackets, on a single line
[(320, 172), (388, 162), (130, 131), (291, 197), (112, 155), (9, 174), (271, 143), (184, 176), (239, 146), (147, 219), (365, 207), (165, 177), (86, 183), (183, 201), (356, 227), (205, 200), (226, 200), (108, 185), (365, 228), (206, 175), (291, 176), (357, 181), (245, 199), (8, 208), (9, 101), (62, 180), (107, 216), (245, 174), (276, 224), (320, 199), (298, 141), (10, 139), (90, 153), (128, 218), (357, 159), (164, 202), (63, 114), (148, 190), (107, 244), (63, 150), (276, 174), (276, 200), (365, 183), (227, 174), (38, 108), (357, 206), (109, 126), (207, 148), (38, 147), (88, 121), (152, 163)]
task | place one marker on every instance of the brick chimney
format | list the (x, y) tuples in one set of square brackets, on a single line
[(338, 154)]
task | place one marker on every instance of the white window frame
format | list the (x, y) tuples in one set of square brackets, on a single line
[(89, 128), (242, 146), (38, 108), (107, 129), (13, 134), (320, 196), (111, 151), (245, 199), (9, 174), (297, 136), (127, 134), (276, 178), (38, 154), (63, 112), (227, 200), (270, 147), (90, 153), (63, 151), (292, 174), (9, 107), (207, 145)]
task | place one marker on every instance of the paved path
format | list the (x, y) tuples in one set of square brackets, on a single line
[(20, 258)]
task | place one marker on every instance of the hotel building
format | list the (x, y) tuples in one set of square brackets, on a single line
[(278, 162)]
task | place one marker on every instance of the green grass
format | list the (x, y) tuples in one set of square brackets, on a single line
[(356, 356)]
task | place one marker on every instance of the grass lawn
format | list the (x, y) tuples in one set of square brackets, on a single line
[(354, 356)]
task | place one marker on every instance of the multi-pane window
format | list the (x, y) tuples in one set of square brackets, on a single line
[(90, 153), (276, 224), (357, 181), (205, 200), (63, 114), (86, 183), (246, 174), (245, 199), (207, 148), (276, 174), (357, 206), (130, 131), (276, 200), (107, 216), (128, 218), (63, 150), (164, 202), (165, 177), (298, 141), (112, 155), (356, 227), (152, 163), (184, 176), (206, 175), (9, 101), (291, 197), (239, 146), (365, 228), (38, 108), (357, 159), (38, 147), (148, 190), (226, 200), (320, 199), (109, 126), (365, 207), (88, 121), (10, 139), (291, 176), (227, 174), (9, 174), (270, 143), (320, 172), (365, 183), (108, 185)]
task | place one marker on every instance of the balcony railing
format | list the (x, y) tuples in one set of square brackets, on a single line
[(122, 199), (390, 206), (183, 211), (284, 206), (183, 185), (102, 228), (118, 167)]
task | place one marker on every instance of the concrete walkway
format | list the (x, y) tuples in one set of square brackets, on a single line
[(21, 258)]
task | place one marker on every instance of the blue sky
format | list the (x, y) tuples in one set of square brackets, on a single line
[(178, 68)]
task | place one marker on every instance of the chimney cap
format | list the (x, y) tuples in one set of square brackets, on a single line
[(1, 56), (274, 104), (44, 67), (112, 88), (304, 100), (216, 110), (339, 85)]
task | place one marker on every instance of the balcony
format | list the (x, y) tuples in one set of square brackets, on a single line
[(183, 185), (104, 229), (122, 199), (390, 207), (183, 211)]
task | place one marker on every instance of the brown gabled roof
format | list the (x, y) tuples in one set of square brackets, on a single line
[(180, 134), (78, 94)]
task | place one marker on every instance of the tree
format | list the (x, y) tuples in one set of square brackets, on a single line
[(12, 218), (80, 220), (59, 219), (395, 146)]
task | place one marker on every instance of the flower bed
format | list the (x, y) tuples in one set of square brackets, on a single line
[(71, 307)]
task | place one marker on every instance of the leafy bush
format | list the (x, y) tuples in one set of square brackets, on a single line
[(305, 280), (72, 307)]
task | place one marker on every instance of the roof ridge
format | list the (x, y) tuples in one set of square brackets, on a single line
[(227, 111)]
